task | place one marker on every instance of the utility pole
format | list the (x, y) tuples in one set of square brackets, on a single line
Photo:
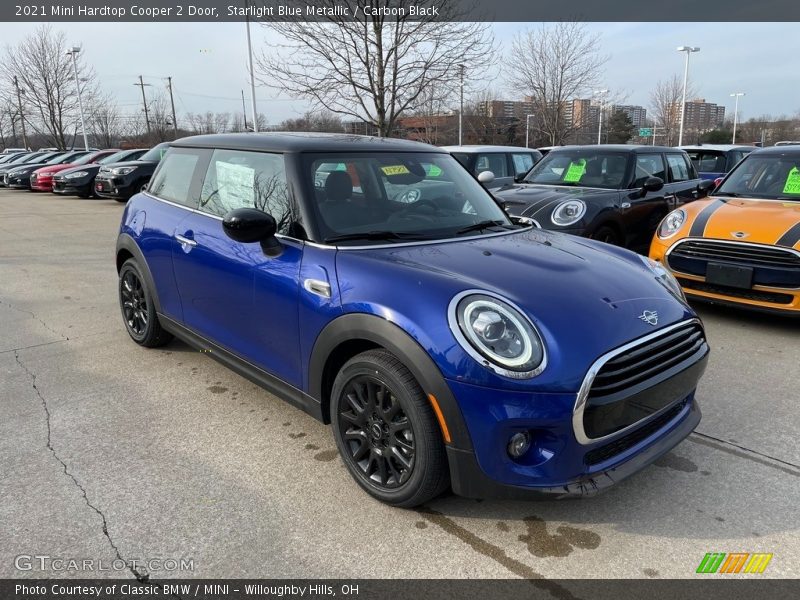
[(141, 84), (172, 103), (21, 115), (461, 107), (73, 52), (252, 75), (244, 111)]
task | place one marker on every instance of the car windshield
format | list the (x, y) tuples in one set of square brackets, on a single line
[(772, 177), (117, 157), (84, 160), (156, 153), (581, 167), (57, 159), (31, 158), (398, 197)]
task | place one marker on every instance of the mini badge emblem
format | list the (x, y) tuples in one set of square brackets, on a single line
[(650, 317), (739, 234)]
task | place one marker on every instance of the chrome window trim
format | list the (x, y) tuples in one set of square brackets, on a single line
[(452, 320), (732, 243), (588, 380), (335, 247)]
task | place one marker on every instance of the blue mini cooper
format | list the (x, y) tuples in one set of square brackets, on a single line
[(376, 285)]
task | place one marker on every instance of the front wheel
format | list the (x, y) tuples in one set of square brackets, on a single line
[(138, 310), (386, 431), (606, 234)]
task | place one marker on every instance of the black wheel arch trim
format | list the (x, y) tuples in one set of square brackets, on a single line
[(379, 331), (127, 243)]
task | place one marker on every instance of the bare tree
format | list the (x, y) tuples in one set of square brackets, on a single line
[(553, 64), (665, 104), (45, 75), (374, 68), (313, 121), (104, 122)]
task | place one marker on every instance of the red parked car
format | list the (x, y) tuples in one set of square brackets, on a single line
[(42, 179)]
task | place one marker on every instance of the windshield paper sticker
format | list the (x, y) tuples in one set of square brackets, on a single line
[(433, 171), (792, 182), (575, 171), (395, 170)]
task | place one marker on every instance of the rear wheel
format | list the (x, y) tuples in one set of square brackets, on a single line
[(138, 310), (386, 431)]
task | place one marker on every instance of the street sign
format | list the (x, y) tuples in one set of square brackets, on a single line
[(645, 131)]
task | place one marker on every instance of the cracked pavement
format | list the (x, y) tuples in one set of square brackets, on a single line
[(109, 451)]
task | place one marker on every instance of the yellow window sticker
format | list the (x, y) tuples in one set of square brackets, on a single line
[(792, 182), (575, 171), (395, 170)]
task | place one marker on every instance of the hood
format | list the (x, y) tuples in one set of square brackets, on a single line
[(756, 221), (130, 163), (52, 169), (32, 166), (585, 297), (91, 169), (531, 199)]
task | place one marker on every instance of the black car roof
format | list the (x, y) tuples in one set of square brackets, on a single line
[(783, 150), (638, 149), (304, 142)]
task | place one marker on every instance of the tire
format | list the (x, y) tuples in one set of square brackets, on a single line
[(138, 311), (118, 199), (606, 234), (84, 195), (396, 453)]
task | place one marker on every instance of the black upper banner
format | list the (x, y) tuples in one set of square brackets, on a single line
[(414, 10)]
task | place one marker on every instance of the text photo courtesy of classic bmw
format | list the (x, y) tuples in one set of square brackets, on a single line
[(449, 372), (741, 246), (615, 194)]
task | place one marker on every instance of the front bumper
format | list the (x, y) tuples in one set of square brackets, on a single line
[(71, 187), (115, 187), (18, 183), (41, 185), (761, 298)]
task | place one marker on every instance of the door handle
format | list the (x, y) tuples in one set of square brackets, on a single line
[(185, 240)]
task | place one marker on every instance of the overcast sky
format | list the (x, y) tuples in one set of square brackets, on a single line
[(208, 62)]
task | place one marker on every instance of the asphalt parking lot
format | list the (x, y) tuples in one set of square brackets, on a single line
[(109, 450)]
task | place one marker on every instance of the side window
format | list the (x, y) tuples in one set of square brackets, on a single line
[(649, 165), (240, 179), (496, 163), (678, 167), (522, 163), (173, 179)]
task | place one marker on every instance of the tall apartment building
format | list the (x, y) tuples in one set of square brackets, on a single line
[(701, 115), (637, 114), (517, 109)]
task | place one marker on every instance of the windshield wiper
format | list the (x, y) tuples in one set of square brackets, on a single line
[(375, 235), (731, 194), (480, 226)]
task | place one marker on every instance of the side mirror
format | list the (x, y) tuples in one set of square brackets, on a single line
[(486, 177), (704, 187), (250, 225), (652, 184)]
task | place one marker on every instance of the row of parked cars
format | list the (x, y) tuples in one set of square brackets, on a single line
[(110, 173)]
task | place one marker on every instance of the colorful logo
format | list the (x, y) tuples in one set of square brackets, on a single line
[(734, 562)]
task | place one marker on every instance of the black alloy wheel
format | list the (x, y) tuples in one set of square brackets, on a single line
[(386, 431), (377, 432), (138, 310), (605, 234)]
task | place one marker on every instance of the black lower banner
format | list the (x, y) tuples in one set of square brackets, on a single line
[(707, 587)]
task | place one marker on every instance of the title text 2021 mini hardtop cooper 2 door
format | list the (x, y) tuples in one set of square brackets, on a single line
[(375, 284)]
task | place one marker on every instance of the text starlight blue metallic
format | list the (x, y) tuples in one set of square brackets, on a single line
[(389, 295)]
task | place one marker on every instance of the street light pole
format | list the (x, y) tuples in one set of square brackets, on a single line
[(21, 115), (735, 113), (252, 75), (461, 107), (72, 52), (688, 50), (602, 94), (527, 129), (172, 103)]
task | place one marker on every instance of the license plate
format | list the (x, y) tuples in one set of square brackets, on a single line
[(730, 275)]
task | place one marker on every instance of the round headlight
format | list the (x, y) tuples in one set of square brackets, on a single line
[(76, 175), (497, 334), (568, 213), (671, 224)]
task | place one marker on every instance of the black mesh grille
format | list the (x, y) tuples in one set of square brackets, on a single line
[(604, 453), (722, 290), (752, 255), (645, 362)]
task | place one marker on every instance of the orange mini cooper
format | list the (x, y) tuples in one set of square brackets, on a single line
[(741, 245)]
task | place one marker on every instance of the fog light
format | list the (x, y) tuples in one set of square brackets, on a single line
[(519, 444)]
